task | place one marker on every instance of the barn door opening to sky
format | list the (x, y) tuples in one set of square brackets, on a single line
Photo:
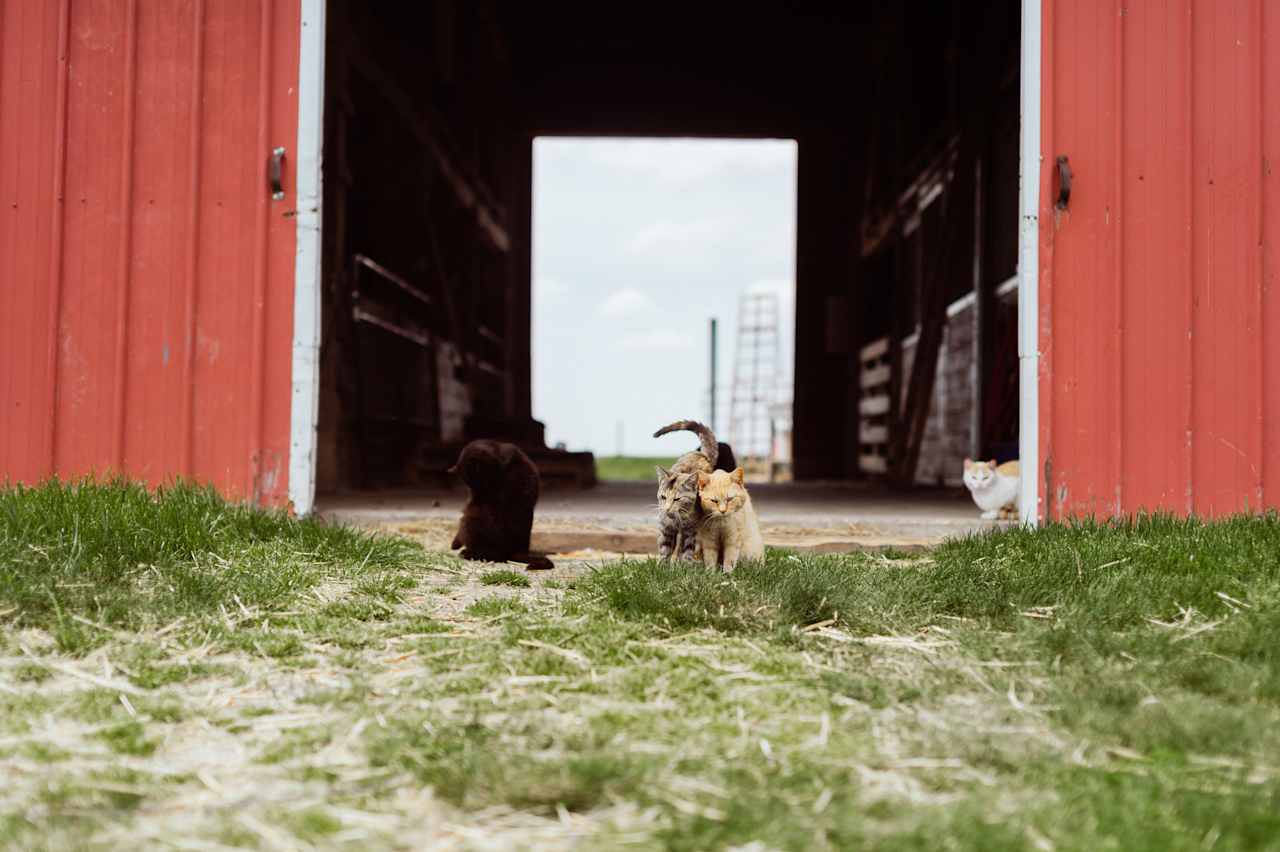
[(623, 270), (1159, 320)]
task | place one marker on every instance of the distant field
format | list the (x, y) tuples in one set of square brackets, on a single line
[(629, 468)]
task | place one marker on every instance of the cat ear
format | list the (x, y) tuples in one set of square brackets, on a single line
[(738, 475), (968, 462), (703, 479), (992, 462), (662, 472)]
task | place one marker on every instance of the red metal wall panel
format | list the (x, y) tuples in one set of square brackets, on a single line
[(1270, 34), (146, 276), (1158, 321)]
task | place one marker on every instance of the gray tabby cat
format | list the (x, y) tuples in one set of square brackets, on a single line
[(678, 510)]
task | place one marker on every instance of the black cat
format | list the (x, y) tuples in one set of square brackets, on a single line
[(498, 516), (724, 458)]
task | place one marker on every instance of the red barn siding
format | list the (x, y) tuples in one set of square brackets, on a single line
[(147, 298), (1270, 34), (1159, 320)]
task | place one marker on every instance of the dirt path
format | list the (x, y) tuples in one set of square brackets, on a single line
[(594, 540)]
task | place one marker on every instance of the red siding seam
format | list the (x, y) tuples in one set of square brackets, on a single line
[(1118, 224), (126, 235), (55, 241), (1189, 67), (193, 246), (260, 258), (7, 394), (1259, 116), (1267, 327)]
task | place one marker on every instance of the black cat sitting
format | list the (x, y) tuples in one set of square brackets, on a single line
[(498, 517)]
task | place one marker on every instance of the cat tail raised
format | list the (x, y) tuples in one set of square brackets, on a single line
[(709, 448)]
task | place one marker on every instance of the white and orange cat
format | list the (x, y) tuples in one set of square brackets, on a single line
[(994, 488), (728, 530)]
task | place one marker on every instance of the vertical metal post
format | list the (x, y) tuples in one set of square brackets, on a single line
[(712, 422)]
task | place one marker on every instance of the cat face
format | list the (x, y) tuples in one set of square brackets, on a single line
[(722, 493), (677, 493), (979, 474)]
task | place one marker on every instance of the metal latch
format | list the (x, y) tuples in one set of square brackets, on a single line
[(275, 173), (1064, 183)]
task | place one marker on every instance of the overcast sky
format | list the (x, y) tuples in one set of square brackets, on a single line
[(636, 245)]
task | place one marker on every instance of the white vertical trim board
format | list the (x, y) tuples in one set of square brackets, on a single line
[(1028, 266), (306, 286)]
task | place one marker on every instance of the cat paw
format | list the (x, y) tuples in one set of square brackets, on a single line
[(989, 516)]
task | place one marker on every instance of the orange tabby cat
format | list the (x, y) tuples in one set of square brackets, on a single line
[(729, 530)]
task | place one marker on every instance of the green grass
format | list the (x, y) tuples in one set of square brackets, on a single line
[(85, 558), (1092, 577), (504, 577), (495, 606), (129, 738), (1159, 637), (630, 468), (1075, 687)]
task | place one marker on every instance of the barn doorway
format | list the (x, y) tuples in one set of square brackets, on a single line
[(904, 333), (639, 247)]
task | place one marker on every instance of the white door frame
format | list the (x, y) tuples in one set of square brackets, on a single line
[(1029, 505), (304, 406)]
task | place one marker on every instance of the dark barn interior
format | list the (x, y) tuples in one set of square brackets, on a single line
[(906, 118)]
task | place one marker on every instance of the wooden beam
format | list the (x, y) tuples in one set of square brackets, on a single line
[(426, 126), (386, 274)]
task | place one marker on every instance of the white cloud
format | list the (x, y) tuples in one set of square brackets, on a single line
[(660, 339), (623, 302), (666, 234), (691, 160)]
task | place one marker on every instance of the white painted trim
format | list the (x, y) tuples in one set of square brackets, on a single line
[(306, 285), (1029, 506)]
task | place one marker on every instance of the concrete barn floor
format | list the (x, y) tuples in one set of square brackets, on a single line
[(830, 517)]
